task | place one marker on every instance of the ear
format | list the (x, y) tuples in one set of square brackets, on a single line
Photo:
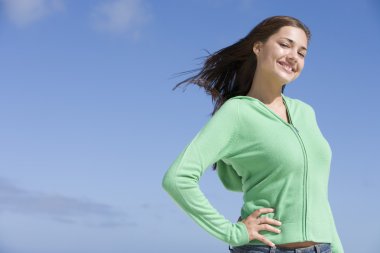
[(257, 47)]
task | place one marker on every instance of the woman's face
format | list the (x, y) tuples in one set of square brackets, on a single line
[(282, 57)]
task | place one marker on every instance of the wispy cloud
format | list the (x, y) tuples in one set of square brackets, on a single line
[(25, 12), (59, 208), (121, 16)]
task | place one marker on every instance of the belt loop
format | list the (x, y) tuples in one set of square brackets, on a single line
[(317, 248), (272, 249)]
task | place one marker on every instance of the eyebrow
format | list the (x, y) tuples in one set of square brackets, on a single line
[(291, 41)]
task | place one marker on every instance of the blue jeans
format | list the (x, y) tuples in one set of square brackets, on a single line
[(317, 248)]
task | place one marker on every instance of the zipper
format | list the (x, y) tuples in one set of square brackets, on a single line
[(295, 130), (306, 169), (305, 180)]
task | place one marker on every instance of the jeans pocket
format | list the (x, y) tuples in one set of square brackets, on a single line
[(326, 249)]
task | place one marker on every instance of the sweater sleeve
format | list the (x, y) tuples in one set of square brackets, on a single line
[(213, 142)]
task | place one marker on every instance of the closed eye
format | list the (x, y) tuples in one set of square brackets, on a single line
[(286, 45)]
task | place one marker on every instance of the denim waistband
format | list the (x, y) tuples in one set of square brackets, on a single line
[(317, 248)]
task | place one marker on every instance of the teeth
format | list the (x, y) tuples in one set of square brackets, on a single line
[(286, 66)]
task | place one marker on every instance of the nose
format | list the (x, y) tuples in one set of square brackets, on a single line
[(292, 56)]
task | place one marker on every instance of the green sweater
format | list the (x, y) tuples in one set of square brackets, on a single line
[(274, 163)]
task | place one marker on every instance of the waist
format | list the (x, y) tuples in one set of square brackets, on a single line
[(318, 247), (289, 238), (297, 244)]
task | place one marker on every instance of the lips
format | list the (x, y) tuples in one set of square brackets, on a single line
[(287, 67)]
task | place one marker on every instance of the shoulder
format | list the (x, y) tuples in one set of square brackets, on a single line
[(226, 116), (305, 105), (229, 108), (301, 104), (232, 102)]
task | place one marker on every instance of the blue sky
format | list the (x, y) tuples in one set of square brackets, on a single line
[(89, 122)]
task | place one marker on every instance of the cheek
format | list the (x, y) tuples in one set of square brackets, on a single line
[(301, 68), (268, 61), (265, 62)]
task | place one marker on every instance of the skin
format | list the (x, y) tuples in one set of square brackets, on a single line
[(266, 86), (270, 75)]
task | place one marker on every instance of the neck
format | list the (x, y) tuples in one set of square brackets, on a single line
[(266, 90)]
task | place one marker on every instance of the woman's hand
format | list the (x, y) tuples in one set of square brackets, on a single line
[(255, 224)]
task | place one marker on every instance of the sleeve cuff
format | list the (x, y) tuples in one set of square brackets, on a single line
[(240, 234)]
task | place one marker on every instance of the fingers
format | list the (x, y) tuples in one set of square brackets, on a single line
[(265, 240), (262, 223), (269, 228), (269, 221), (260, 211)]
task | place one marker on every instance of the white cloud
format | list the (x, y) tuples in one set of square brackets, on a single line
[(121, 16), (60, 208), (25, 12)]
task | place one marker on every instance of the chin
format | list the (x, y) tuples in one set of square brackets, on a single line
[(286, 79), (289, 77)]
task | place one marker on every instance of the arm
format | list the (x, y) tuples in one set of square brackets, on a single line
[(213, 142)]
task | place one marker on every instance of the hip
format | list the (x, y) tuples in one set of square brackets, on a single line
[(249, 248)]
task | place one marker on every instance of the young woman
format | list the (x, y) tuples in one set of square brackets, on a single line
[(262, 143)]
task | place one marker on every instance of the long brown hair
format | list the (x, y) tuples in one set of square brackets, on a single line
[(229, 71)]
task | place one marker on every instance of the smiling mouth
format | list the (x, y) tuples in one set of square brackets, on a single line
[(286, 67)]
